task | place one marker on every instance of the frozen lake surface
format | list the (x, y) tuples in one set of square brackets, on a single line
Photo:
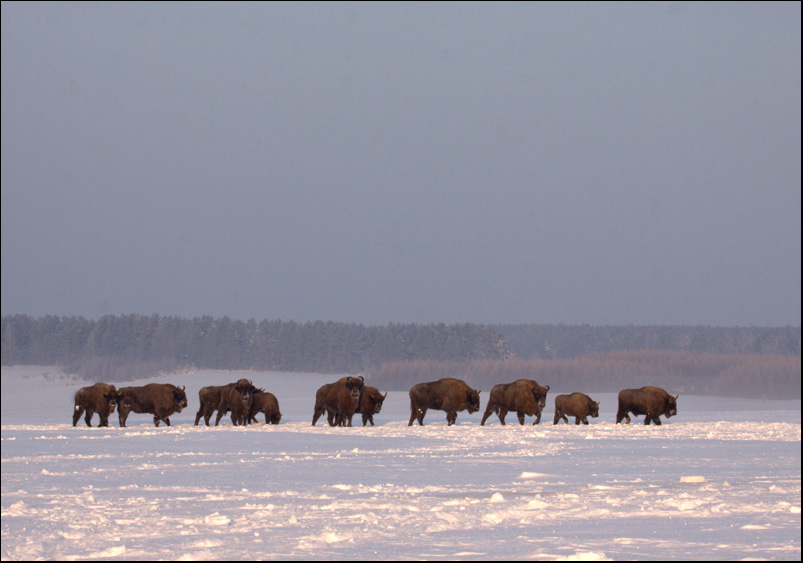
[(721, 481)]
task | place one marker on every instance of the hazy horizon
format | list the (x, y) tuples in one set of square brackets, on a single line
[(506, 163)]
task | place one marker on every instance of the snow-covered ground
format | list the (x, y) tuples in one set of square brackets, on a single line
[(719, 481)]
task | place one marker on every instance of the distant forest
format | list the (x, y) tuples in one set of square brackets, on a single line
[(698, 359)]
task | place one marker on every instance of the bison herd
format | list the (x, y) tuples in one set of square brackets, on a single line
[(348, 396)]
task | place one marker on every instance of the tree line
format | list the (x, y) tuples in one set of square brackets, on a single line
[(550, 341), (699, 359), (124, 347), (762, 376)]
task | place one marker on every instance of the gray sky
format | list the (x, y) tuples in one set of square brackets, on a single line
[(375, 163)]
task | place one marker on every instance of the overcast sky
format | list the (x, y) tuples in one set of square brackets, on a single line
[(404, 162)]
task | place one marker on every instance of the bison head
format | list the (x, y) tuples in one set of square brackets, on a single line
[(539, 393), (355, 385), (671, 406), (245, 388), (473, 404), (180, 398), (112, 399), (374, 400), (594, 410)]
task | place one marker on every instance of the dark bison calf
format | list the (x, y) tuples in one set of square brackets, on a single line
[(578, 405), (267, 404), (523, 396), (370, 404), (339, 399), (652, 402), (447, 394), (159, 399), (98, 398)]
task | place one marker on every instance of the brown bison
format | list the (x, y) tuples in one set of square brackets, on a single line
[(447, 394), (578, 405), (370, 404), (523, 396), (98, 398), (339, 399), (267, 404), (237, 398), (159, 399), (652, 402), (209, 397)]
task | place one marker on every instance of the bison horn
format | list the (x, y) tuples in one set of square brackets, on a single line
[(385, 396)]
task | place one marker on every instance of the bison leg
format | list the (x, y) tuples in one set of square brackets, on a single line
[(317, 414), (502, 414), (622, 415), (417, 414), (88, 417), (122, 415), (538, 418), (198, 416), (488, 412), (558, 416), (79, 410), (104, 419), (520, 416), (451, 417)]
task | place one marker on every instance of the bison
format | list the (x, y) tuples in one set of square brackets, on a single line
[(447, 394), (98, 398), (524, 396), (237, 398), (267, 404), (370, 404), (652, 402), (209, 397), (340, 399), (159, 399), (578, 405)]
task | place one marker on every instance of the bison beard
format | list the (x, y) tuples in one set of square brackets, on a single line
[(649, 401), (447, 394)]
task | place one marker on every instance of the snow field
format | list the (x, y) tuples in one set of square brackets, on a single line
[(719, 481)]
